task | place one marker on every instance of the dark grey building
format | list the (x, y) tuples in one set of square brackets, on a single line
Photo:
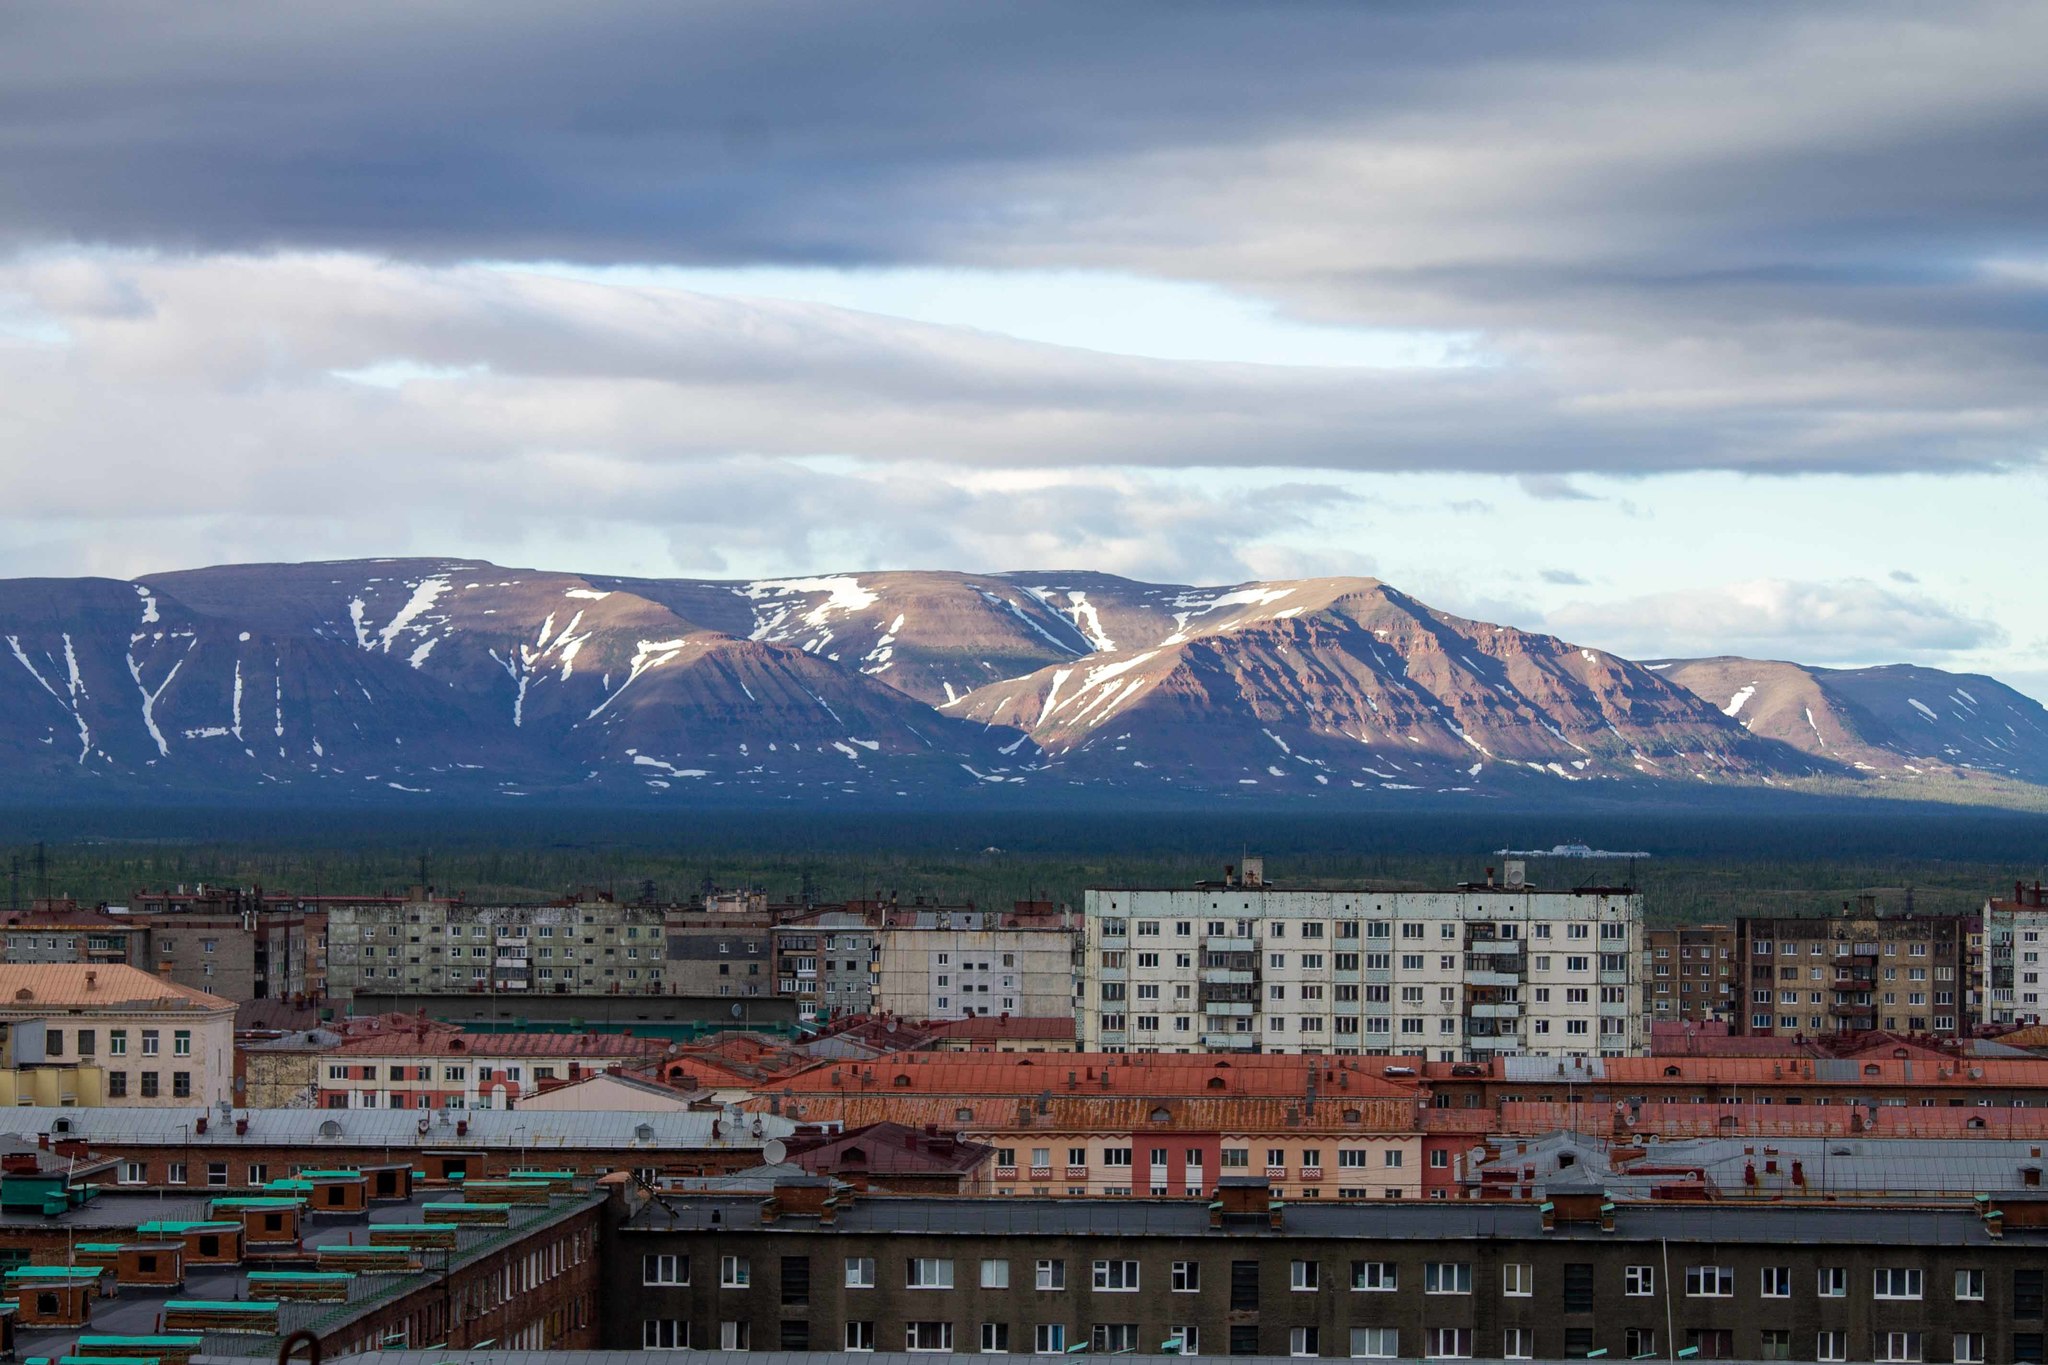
[(809, 1267)]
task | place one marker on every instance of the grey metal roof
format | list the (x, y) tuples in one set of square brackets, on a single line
[(537, 1129), (1370, 1220), (1553, 1068), (1841, 1165)]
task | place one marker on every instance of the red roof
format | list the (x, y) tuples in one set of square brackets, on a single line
[(998, 1028), (502, 1045)]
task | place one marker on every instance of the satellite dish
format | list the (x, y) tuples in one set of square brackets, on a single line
[(736, 1010), (773, 1151)]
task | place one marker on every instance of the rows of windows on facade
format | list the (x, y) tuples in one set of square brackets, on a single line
[(1784, 978), (1233, 1159), (121, 1063), (1447, 1279)]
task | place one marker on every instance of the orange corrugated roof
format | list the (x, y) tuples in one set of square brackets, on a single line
[(1150, 1074), (1789, 1071), (77, 985), (501, 1045)]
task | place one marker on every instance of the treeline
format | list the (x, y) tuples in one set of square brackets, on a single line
[(1703, 867)]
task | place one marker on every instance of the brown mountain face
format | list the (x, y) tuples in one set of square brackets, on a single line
[(1891, 722), (1348, 680), (403, 679)]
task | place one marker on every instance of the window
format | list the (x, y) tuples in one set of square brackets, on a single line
[(149, 1042), (734, 1272), (1187, 1277), (1517, 1343), (734, 1336), (217, 1173), (259, 1174), (664, 1334), (860, 1273), (1116, 1277), (1639, 1281), (995, 1274), (175, 1173), (1052, 1275), (1303, 1341), (1187, 1340), (1834, 1282), (1831, 1346), (1375, 1277), (928, 1336), (1049, 1339), (1448, 1343), (1895, 1283), (1115, 1338), (1375, 1343), (1709, 1282), (1639, 1342), (928, 1272), (1448, 1277), (1304, 1277), (181, 1043), (995, 1336), (1967, 1348), (1711, 1343), (1969, 1284), (134, 1173), (667, 1269), (1237, 1156), (860, 1336), (1775, 1282), (1898, 1346), (117, 1084), (1516, 1281)]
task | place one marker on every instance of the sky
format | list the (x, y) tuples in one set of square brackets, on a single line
[(1674, 330)]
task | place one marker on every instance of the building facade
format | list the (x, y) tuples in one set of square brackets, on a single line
[(953, 964), (2015, 934), (1854, 972), (435, 945), (811, 1267), (1243, 966), (112, 1036), (433, 1070), (1689, 973)]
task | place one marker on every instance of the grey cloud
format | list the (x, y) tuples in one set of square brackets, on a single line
[(1769, 238), (1553, 488), (1901, 576), (1852, 621), (1562, 577)]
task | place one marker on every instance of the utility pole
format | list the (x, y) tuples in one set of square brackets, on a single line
[(42, 872)]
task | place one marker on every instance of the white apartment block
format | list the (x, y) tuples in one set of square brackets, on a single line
[(2014, 958), (1482, 971)]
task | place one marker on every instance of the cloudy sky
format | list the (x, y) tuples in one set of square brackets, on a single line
[(1674, 329)]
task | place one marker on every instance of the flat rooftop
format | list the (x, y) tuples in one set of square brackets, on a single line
[(136, 1311), (1950, 1224)]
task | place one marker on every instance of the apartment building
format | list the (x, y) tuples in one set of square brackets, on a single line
[(1689, 973), (221, 943), (432, 945), (1856, 971), (1144, 1125), (112, 1036), (2015, 934), (438, 1070), (825, 958), (803, 1266), (946, 963), (1241, 965)]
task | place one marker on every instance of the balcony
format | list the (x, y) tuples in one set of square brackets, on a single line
[(1241, 1008), (1614, 978), (1006, 1172), (516, 963), (1234, 1042), (1228, 976), (1276, 1173), (1488, 978), (1494, 945), (1506, 1042), (1077, 1172), (1495, 1010), (1041, 1172), (1217, 943)]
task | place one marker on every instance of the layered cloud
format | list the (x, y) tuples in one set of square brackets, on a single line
[(1847, 622)]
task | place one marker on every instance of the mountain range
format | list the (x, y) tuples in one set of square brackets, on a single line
[(414, 680)]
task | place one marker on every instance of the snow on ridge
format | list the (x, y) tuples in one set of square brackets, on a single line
[(149, 612), (1197, 605), (1738, 701), (1923, 709), (424, 594), (843, 596), (587, 594)]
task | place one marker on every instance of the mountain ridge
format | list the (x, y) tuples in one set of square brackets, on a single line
[(407, 679)]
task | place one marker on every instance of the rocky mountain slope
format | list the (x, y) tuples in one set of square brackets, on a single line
[(437, 679), (1896, 720)]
